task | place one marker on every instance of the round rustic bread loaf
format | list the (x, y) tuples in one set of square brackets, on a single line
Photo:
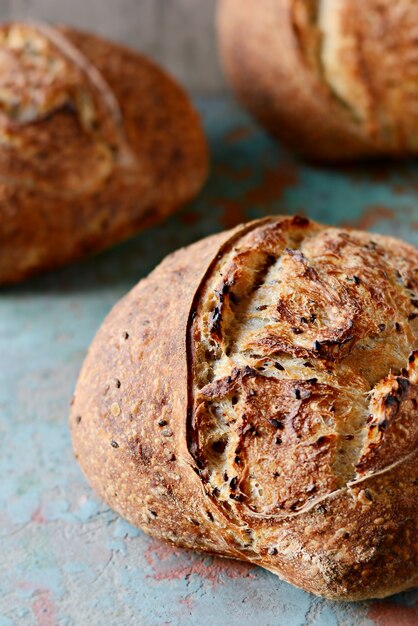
[(256, 397), (335, 79), (96, 143)]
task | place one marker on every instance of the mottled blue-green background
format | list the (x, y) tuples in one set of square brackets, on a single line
[(65, 558)]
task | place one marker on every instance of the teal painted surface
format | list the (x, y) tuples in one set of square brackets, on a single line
[(65, 558)]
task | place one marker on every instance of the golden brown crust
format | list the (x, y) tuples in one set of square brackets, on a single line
[(97, 143), (256, 397), (335, 79)]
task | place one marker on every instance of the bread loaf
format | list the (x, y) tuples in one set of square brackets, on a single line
[(256, 397), (97, 142), (335, 79)]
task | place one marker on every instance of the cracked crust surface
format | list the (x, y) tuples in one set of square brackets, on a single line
[(96, 142), (335, 79), (256, 397)]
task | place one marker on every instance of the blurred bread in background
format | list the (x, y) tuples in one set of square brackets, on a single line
[(334, 79), (97, 142)]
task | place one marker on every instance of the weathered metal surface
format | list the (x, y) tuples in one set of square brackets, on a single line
[(65, 558)]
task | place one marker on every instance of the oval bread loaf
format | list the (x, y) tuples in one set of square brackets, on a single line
[(96, 143), (256, 397), (335, 79)]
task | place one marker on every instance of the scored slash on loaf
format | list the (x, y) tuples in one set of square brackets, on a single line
[(256, 397), (97, 143)]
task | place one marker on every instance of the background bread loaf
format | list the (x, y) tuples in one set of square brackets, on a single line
[(256, 397), (97, 143), (335, 79)]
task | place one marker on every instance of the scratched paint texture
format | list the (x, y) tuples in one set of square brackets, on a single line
[(65, 558)]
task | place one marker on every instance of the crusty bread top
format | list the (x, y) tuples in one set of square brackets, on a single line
[(255, 396), (302, 376)]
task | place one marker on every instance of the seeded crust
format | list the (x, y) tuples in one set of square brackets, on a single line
[(96, 143), (256, 397), (335, 79)]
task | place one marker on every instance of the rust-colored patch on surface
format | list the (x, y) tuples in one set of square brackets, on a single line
[(233, 212), (237, 134), (374, 171), (381, 172), (38, 516), (371, 215), (173, 563), (187, 602), (189, 218), (389, 614), (274, 183), (44, 610), (234, 173)]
